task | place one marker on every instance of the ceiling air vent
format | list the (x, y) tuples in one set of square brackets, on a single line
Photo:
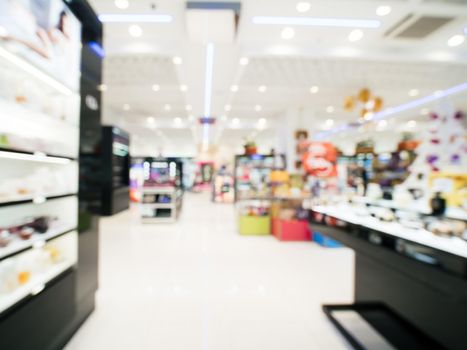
[(417, 27)]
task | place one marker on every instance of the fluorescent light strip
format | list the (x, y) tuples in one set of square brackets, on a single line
[(37, 157), (318, 22), (29, 68), (116, 18), (391, 111), (208, 90)]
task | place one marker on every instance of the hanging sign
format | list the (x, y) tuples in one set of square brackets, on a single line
[(320, 160)]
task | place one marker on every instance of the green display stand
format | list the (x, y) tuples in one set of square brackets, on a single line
[(254, 225)]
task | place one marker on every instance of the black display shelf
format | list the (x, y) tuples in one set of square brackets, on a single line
[(387, 329), (18, 151), (31, 199), (431, 294)]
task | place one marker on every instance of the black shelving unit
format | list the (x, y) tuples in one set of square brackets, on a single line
[(116, 170)]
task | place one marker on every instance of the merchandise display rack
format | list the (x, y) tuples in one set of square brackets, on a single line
[(161, 204)]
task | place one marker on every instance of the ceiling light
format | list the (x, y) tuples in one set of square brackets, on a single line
[(234, 88), (188, 107), (177, 60), (382, 124), (329, 122), (320, 22), (122, 4), (262, 121), (126, 107), (235, 121), (177, 120), (314, 89), (135, 30), (156, 87), (244, 61), (456, 40), (424, 111), (288, 33), (167, 107), (183, 88), (262, 88), (228, 108), (329, 109), (135, 18), (413, 92), (383, 10), (368, 115), (411, 124), (258, 108), (303, 7), (370, 104), (355, 35), (150, 120), (102, 87)]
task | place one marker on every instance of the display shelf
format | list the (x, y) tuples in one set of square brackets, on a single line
[(19, 245), (37, 199), (33, 287), (10, 153), (170, 211), (451, 245), (451, 213)]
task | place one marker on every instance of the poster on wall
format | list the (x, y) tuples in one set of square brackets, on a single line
[(320, 160), (46, 34)]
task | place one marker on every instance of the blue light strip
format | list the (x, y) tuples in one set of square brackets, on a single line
[(97, 48), (134, 18), (390, 112), (318, 22)]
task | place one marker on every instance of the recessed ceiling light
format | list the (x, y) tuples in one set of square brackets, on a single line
[(355, 35), (382, 124), (102, 87), (262, 121), (177, 60), (288, 33), (329, 109), (150, 120), (456, 40), (329, 122), (126, 107), (156, 87), (262, 88), (122, 4), (411, 124), (413, 92), (258, 108), (167, 107), (314, 89), (244, 61), (234, 88), (135, 30), (228, 108), (183, 88), (383, 10), (177, 120), (303, 7), (188, 107), (235, 121)]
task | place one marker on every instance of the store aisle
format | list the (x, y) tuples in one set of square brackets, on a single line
[(197, 284)]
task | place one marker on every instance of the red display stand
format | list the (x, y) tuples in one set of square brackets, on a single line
[(291, 230)]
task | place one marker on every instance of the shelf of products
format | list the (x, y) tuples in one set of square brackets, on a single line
[(223, 187), (29, 271), (160, 204), (252, 175)]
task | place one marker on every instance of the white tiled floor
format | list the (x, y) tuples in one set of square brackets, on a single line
[(197, 284)]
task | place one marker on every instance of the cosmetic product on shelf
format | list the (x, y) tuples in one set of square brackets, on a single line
[(5, 238)]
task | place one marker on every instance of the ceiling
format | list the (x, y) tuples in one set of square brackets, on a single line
[(143, 82)]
